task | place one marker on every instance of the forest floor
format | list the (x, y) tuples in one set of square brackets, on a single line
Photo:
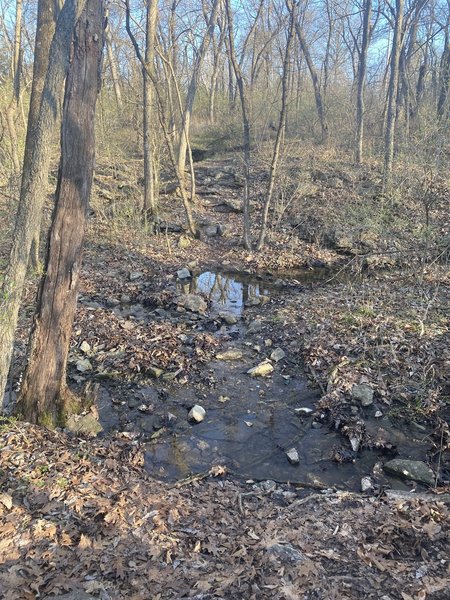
[(353, 289)]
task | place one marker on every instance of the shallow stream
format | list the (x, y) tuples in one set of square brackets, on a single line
[(250, 423)]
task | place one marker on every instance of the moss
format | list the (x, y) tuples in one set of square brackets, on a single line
[(47, 419)]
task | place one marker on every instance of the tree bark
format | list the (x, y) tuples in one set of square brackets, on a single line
[(281, 126), (392, 94), (192, 89), (45, 29), (245, 123), (44, 396), (362, 68), (150, 200), (114, 68), (17, 50), (33, 188), (315, 81)]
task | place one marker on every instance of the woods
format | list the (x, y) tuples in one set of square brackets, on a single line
[(224, 283)]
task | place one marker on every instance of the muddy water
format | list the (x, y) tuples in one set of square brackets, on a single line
[(253, 428), (251, 423)]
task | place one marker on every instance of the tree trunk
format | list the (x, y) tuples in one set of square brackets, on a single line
[(362, 67), (281, 125), (114, 68), (33, 187), (192, 89), (443, 103), (44, 392), (45, 29), (315, 81), (17, 50), (150, 200), (392, 94), (245, 123)]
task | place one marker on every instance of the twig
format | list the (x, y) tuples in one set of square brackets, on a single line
[(316, 379)]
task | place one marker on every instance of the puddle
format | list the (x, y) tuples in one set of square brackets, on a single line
[(252, 430), (250, 423), (229, 292)]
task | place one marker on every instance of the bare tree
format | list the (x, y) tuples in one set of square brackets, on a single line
[(393, 92), (113, 65), (315, 81), (292, 7), (44, 396), (245, 123), (33, 187), (362, 68), (45, 29), (193, 85), (150, 191)]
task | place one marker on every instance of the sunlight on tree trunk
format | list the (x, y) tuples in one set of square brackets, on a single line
[(44, 396)]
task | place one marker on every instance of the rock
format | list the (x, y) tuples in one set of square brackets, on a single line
[(411, 469), (303, 410), (155, 372), (366, 484), (355, 442), (229, 355), (253, 301), (87, 425), (184, 274), (265, 486), (83, 365), (193, 303), (135, 275), (378, 414), (285, 552), (209, 231), (261, 370), (111, 302), (184, 242), (197, 414), (254, 327), (277, 355), (228, 318), (292, 456), (316, 425), (85, 347), (125, 299), (363, 393)]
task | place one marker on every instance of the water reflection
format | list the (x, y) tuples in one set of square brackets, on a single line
[(225, 291)]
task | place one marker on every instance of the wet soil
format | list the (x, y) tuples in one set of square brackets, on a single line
[(250, 423)]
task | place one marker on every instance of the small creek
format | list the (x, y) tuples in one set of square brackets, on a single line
[(251, 422)]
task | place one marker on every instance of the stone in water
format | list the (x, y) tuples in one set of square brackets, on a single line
[(197, 414), (292, 456)]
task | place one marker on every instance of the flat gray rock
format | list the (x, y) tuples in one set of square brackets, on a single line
[(411, 469), (363, 393)]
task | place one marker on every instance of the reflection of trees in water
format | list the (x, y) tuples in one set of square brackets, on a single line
[(222, 289)]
